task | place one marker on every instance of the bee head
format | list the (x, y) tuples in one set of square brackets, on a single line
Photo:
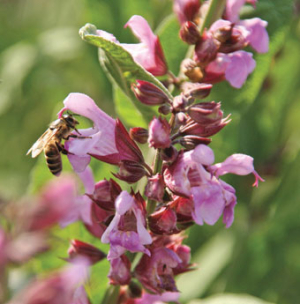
[(70, 120)]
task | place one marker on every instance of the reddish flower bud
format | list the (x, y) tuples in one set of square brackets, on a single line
[(223, 34), (189, 33), (119, 273), (130, 171), (159, 133), (165, 109), (105, 193), (163, 221), (186, 10), (180, 103), (169, 154), (148, 93), (79, 248), (155, 188), (191, 141), (206, 50), (206, 113), (196, 90), (194, 128), (190, 68), (140, 135), (181, 119), (184, 208)]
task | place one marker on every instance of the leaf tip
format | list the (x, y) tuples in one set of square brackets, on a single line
[(88, 29)]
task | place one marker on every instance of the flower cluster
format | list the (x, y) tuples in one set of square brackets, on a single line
[(183, 184), (218, 52)]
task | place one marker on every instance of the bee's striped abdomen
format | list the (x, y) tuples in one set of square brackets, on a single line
[(53, 158)]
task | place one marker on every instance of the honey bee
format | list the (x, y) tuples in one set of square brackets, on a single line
[(50, 142)]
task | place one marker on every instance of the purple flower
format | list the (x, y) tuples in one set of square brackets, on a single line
[(63, 287), (211, 196), (127, 229), (155, 272), (81, 204), (159, 133), (107, 140), (234, 67), (148, 53), (239, 164), (119, 273), (258, 37), (165, 297)]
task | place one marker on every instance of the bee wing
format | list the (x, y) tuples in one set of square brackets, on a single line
[(40, 144)]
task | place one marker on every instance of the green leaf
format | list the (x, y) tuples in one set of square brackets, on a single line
[(230, 299), (126, 111), (121, 67)]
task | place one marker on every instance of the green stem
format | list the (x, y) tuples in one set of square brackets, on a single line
[(214, 12), (111, 295)]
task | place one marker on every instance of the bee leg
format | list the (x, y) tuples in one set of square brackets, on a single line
[(76, 136), (62, 149)]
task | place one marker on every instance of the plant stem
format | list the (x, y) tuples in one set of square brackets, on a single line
[(111, 295), (214, 12)]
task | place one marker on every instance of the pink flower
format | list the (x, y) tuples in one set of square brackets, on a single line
[(127, 229), (258, 37), (81, 204), (155, 272), (211, 196), (234, 67), (148, 53), (239, 164), (119, 273), (165, 297), (63, 287), (159, 133), (107, 140)]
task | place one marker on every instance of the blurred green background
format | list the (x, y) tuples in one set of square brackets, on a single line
[(42, 60)]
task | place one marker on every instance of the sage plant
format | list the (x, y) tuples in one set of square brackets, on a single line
[(184, 186)]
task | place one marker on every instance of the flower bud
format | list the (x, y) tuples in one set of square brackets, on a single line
[(140, 135), (189, 33), (184, 208), (222, 34), (194, 128), (191, 141), (206, 113), (179, 103), (190, 69), (206, 50), (196, 90), (165, 109), (163, 221), (186, 10), (155, 188), (79, 248), (159, 133), (148, 93), (130, 171), (105, 193), (180, 119), (169, 154)]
